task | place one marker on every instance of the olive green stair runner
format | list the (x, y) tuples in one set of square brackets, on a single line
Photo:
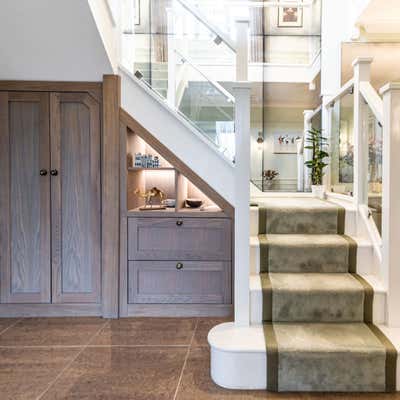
[(317, 311)]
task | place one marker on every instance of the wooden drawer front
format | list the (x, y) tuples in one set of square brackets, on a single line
[(196, 282), (179, 239)]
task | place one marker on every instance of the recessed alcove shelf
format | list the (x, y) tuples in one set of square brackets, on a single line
[(166, 177)]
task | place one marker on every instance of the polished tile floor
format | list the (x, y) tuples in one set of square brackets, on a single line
[(138, 359)]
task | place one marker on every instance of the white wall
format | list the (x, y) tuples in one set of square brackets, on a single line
[(51, 40), (282, 120)]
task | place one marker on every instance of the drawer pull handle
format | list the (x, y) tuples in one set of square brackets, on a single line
[(179, 223), (179, 265)]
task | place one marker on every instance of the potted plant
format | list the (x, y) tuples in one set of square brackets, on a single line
[(268, 176), (317, 143)]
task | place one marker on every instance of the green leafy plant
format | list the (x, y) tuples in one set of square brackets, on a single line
[(317, 143)]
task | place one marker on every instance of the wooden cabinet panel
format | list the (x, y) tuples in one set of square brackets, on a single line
[(187, 282), (76, 201), (179, 239), (24, 197)]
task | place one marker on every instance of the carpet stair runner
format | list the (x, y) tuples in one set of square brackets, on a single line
[(317, 312)]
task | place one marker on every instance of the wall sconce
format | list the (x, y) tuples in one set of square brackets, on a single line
[(260, 141)]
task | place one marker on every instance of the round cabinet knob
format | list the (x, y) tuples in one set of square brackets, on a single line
[(53, 172), (179, 265), (43, 172), (179, 223)]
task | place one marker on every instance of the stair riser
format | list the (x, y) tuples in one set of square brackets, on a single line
[(365, 259), (350, 222), (256, 303), (317, 307), (336, 372)]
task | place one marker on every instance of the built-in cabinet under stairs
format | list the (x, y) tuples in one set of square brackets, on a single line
[(315, 321)]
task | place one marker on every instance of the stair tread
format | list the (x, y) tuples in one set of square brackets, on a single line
[(303, 239), (326, 337), (312, 297), (315, 282), (297, 204)]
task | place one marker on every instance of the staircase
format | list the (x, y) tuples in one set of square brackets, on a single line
[(312, 316)]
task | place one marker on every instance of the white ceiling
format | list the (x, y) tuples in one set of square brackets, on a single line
[(380, 17), (385, 67)]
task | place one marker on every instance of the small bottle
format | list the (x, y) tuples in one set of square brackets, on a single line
[(156, 162), (138, 159)]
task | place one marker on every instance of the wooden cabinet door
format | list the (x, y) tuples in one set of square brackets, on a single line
[(75, 195), (24, 197)]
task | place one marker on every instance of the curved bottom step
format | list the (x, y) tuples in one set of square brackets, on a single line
[(239, 359)]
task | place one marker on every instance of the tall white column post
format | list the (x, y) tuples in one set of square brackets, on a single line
[(242, 92), (391, 200), (362, 73)]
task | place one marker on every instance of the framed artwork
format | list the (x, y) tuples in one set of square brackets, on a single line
[(137, 12), (290, 17), (286, 143)]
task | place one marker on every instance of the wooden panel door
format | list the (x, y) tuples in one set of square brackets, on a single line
[(24, 197), (76, 201)]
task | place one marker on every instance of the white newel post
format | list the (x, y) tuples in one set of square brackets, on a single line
[(242, 203), (242, 49), (171, 92), (242, 91), (307, 155), (362, 73), (391, 200)]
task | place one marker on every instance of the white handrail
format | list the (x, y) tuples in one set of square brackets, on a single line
[(373, 99), (342, 92), (204, 20), (310, 116), (207, 78)]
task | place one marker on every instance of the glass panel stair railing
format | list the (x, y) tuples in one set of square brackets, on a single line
[(374, 132), (172, 46)]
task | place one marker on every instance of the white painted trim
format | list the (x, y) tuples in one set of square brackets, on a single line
[(372, 98), (175, 112), (110, 13)]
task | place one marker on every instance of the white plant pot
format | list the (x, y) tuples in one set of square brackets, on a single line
[(318, 191)]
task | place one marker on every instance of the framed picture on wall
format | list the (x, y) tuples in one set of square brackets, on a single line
[(285, 143), (137, 12), (290, 17)]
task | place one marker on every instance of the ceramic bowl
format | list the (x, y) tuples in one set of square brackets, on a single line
[(194, 203)]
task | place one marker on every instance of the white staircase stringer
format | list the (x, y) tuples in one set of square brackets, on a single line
[(177, 134)]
